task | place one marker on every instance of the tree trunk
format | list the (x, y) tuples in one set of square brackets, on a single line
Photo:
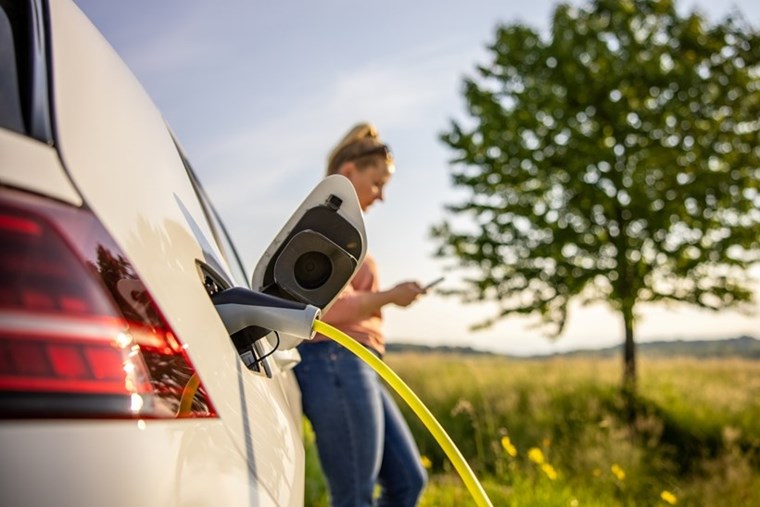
[(629, 352), (629, 363)]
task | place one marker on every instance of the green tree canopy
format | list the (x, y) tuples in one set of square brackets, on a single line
[(615, 159)]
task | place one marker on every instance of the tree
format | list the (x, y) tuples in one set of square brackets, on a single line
[(615, 159)]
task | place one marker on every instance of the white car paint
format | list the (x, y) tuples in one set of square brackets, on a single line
[(29, 164)]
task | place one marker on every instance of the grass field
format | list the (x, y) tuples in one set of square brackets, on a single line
[(554, 433)]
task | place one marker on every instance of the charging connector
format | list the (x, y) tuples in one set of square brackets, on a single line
[(250, 316)]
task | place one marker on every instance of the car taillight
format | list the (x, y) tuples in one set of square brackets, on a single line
[(79, 334)]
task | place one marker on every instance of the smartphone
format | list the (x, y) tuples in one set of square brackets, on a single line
[(433, 283)]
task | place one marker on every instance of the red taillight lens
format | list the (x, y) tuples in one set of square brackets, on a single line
[(79, 334)]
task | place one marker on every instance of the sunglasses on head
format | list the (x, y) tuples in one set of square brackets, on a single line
[(381, 149)]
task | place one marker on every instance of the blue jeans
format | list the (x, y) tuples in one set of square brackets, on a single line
[(361, 436)]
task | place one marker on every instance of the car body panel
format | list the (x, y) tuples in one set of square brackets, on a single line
[(114, 154), (175, 463), (32, 165)]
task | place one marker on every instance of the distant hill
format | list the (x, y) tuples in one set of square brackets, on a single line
[(746, 347), (441, 349)]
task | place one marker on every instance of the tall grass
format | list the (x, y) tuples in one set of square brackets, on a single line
[(554, 432)]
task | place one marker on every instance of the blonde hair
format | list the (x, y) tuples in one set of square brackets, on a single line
[(362, 146)]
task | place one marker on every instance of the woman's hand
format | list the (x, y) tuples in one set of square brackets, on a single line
[(361, 305), (405, 293)]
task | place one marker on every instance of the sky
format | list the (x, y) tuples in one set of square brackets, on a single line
[(258, 92)]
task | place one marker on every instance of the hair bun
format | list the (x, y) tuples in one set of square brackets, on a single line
[(372, 131), (360, 131)]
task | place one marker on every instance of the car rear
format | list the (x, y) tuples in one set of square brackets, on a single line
[(118, 383)]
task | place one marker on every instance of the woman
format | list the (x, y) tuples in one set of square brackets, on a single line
[(361, 436)]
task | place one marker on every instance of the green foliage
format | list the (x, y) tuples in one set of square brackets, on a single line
[(616, 159), (696, 434), (695, 438)]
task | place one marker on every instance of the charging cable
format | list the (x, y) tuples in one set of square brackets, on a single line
[(188, 393), (419, 408)]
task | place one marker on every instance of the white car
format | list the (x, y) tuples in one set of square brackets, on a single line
[(138, 365)]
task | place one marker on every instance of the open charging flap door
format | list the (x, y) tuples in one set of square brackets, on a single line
[(317, 252)]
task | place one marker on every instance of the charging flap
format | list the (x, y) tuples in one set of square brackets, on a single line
[(319, 249)]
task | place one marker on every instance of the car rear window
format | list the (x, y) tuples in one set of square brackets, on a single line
[(10, 101)]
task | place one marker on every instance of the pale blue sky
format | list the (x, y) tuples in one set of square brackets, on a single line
[(257, 93)]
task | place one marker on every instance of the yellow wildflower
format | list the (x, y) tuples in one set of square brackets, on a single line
[(426, 463), (506, 443), (617, 472), (669, 497), (549, 470), (535, 455)]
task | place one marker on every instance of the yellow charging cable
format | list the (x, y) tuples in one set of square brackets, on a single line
[(432, 424), (188, 393)]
